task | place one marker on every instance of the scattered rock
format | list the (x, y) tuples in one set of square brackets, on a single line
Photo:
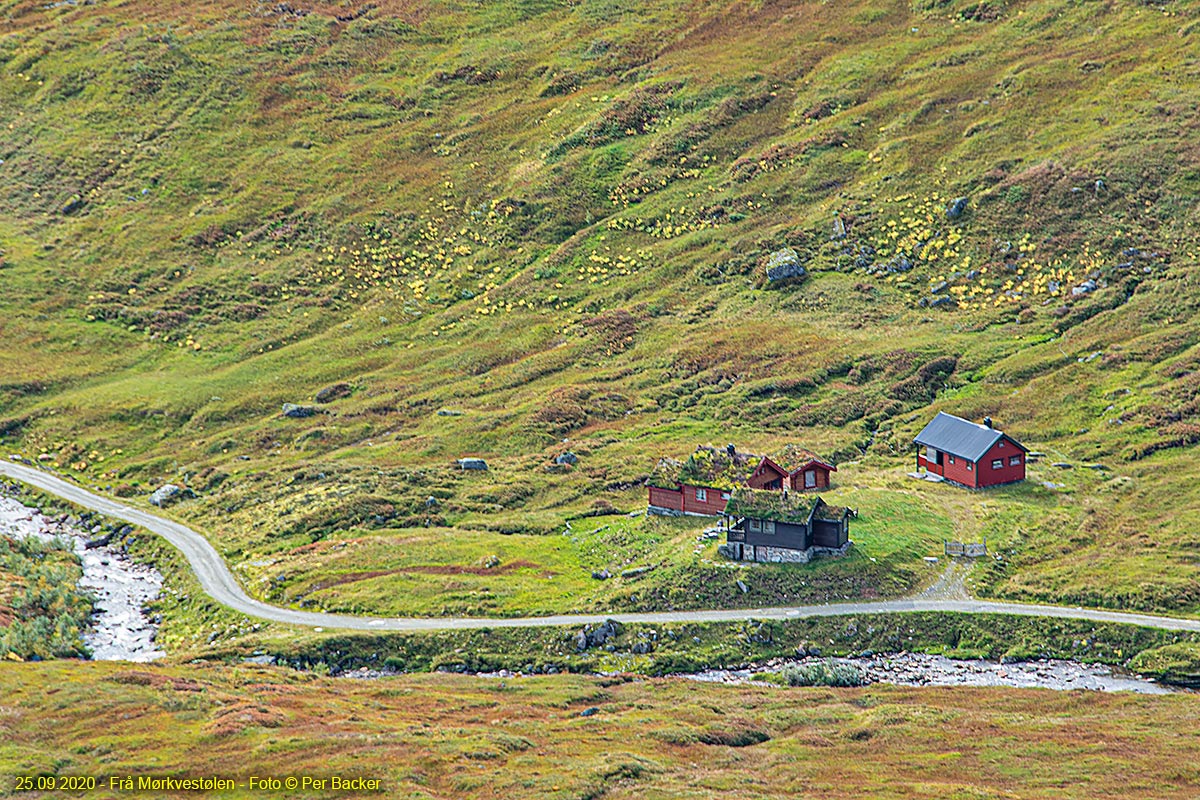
[(635, 572), (431, 502), (602, 634), (745, 589), (642, 647), (99, 541), (1087, 287), (601, 574), (957, 208), (589, 712), (473, 463), (165, 495), (449, 412), (945, 301), (567, 458), (262, 661), (1060, 464), (581, 641), (939, 288), (335, 392), (784, 265), (297, 411)]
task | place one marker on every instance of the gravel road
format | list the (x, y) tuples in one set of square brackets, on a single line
[(221, 586)]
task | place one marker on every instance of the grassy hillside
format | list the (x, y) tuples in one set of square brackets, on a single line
[(572, 737), (506, 230)]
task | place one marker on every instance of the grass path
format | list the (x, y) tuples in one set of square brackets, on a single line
[(219, 583)]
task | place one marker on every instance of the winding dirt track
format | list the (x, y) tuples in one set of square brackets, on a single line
[(221, 586)]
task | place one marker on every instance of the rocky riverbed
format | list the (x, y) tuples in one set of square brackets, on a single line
[(121, 629), (917, 669)]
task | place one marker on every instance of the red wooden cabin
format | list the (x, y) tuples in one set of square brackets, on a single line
[(801, 471), (969, 454), (703, 484)]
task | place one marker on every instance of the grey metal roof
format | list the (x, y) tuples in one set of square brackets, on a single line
[(960, 437)]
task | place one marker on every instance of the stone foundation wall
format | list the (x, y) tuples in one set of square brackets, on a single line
[(737, 551)]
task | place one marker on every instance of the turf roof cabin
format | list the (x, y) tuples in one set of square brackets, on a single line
[(771, 526), (703, 484), (795, 468), (969, 454)]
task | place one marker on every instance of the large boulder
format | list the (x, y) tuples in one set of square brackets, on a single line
[(957, 207), (784, 265), (165, 495), (473, 463), (566, 458), (297, 411)]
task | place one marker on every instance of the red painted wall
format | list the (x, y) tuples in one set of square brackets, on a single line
[(961, 471), (666, 498), (1006, 474), (714, 503), (763, 475), (685, 500), (796, 481)]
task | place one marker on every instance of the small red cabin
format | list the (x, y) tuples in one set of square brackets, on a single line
[(969, 454), (801, 471)]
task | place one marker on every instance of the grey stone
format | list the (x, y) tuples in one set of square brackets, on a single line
[(334, 392), (581, 641), (957, 207), (940, 287), (473, 463), (601, 574), (263, 661), (589, 712), (784, 265), (165, 494), (602, 634), (449, 412), (297, 411), (566, 458), (943, 302), (641, 648), (1087, 287), (635, 572), (431, 502), (743, 587)]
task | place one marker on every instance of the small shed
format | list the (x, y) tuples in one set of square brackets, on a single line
[(968, 453)]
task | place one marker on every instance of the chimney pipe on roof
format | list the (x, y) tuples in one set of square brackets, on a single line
[(987, 421)]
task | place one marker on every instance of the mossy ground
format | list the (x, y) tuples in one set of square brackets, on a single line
[(552, 218), (440, 735)]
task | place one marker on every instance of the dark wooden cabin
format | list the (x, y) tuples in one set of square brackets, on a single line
[(764, 525)]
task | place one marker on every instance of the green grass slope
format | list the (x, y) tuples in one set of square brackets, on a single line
[(549, 222)]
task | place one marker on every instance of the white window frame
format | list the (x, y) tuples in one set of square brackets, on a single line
[(725, 495), (810, 479), (950, 457), (702, 495), (970, 467), (1014, 461), (997, 463)]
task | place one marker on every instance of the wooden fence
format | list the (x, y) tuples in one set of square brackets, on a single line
[(968, 550)]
